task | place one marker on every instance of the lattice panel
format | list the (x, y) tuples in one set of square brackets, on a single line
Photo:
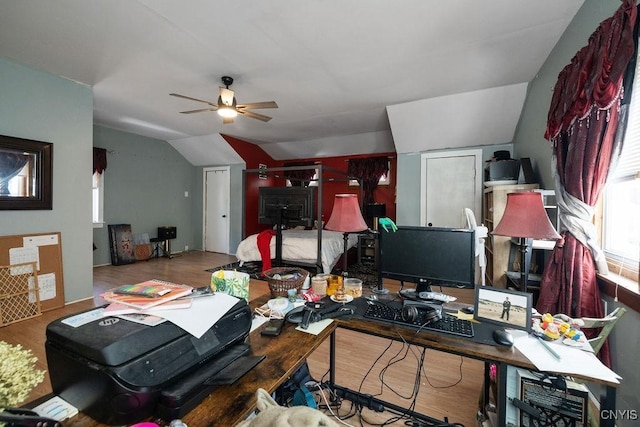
[(19, 296)]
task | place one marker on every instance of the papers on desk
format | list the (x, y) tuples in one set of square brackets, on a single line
[(571, 361), (197, 318), (202, 315)]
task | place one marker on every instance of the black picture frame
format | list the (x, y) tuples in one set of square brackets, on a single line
[(488, 307), (39, 185)]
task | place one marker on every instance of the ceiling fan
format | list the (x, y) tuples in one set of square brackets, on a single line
[(227, 106)]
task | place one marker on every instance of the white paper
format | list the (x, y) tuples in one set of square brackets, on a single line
[(573, 361), (83, 318), (22, 255), (257, 322), (47, 286), (316, 327), (56, 408), (201, 316), (43, 240)]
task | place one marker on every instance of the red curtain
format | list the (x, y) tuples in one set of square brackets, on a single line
[(299, 178), (99, 160), (582, 124), (368, 172)]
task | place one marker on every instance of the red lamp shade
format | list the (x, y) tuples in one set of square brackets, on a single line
[(524, 216), (346, 215)]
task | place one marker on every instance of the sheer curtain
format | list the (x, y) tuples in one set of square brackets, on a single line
[(583, 122)]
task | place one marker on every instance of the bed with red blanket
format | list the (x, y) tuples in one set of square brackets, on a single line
[(301, 247)]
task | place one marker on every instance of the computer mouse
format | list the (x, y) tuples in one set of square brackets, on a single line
[(502, 337), (467, 310)]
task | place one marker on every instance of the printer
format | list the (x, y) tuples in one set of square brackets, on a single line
[(121, 372)]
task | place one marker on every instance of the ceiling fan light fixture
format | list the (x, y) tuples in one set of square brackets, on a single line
[(228, 112)]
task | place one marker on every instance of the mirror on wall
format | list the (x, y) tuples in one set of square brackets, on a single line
[(25, 174)]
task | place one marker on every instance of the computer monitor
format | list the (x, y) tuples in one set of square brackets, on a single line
[(428, 256)]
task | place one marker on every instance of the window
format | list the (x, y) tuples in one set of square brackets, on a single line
[(384, 178), (621, 201), (98, 200)]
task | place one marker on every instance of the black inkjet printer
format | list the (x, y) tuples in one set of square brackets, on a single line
[(121, 372)]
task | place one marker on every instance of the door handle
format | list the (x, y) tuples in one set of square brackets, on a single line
[(224, 216)]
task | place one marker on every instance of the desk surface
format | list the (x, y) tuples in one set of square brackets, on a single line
[(227, 405)]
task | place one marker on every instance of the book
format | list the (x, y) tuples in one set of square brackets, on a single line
[(149, 289), (115, 309), (175, 291)]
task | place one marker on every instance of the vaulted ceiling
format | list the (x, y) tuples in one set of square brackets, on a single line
[(334, 67)]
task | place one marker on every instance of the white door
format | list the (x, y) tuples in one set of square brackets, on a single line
[(217, 190), (450, 182)]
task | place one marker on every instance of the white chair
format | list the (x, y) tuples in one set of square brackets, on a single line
[(481, 234)]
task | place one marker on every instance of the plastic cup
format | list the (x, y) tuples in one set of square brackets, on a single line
[(319, 285)]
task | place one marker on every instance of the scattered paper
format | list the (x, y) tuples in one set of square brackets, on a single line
[(316, 327), (56, 408), (257, 322), (202, 315), (572, 361), (83, 318)]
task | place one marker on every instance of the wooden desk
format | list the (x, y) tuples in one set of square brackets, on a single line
[(228, 405), (489, 353)]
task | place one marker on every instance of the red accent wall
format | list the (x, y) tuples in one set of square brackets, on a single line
[(383, 193), (253, 155)]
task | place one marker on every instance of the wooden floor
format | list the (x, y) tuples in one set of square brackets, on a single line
[(448, 385)]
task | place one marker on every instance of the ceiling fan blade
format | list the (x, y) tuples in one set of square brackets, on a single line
[(193, 99), (254, 115), (226, 95), (227, 120), (199, 110), (258, 105)]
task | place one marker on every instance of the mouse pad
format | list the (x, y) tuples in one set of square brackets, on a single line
[(234, 371)]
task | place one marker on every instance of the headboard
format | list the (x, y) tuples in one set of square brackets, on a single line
[(292, 205)]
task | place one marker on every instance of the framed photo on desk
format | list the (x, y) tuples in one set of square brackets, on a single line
[(503, 307)]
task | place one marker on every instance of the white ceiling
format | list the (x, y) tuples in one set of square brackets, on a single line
[(333, 66)]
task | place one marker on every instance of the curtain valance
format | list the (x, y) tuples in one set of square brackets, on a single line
[(99, 160)]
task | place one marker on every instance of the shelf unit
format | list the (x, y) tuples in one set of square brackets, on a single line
[(498, 248), (368, 249)]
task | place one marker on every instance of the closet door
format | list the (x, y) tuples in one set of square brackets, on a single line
[(216, 209), (450, 182)]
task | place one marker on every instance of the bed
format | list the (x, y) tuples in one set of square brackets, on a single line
[(317, 249), (300, 247)]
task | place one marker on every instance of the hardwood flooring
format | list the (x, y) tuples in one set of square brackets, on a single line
[(449, 385)]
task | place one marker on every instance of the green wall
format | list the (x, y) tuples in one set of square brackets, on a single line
[(44, 107), (408, 187), (145, 184)]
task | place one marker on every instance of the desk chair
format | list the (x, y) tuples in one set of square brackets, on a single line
[(606, 323)]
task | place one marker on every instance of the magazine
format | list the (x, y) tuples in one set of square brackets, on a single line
[(175, 291)]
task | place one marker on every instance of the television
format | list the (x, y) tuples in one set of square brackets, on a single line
[(289, 206), (428, 256)]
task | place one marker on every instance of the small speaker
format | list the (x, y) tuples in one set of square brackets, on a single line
[(167, 232)]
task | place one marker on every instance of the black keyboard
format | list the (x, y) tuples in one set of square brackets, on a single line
[(448, 324)]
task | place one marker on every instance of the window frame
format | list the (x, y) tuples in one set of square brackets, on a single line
[(97, 184)]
